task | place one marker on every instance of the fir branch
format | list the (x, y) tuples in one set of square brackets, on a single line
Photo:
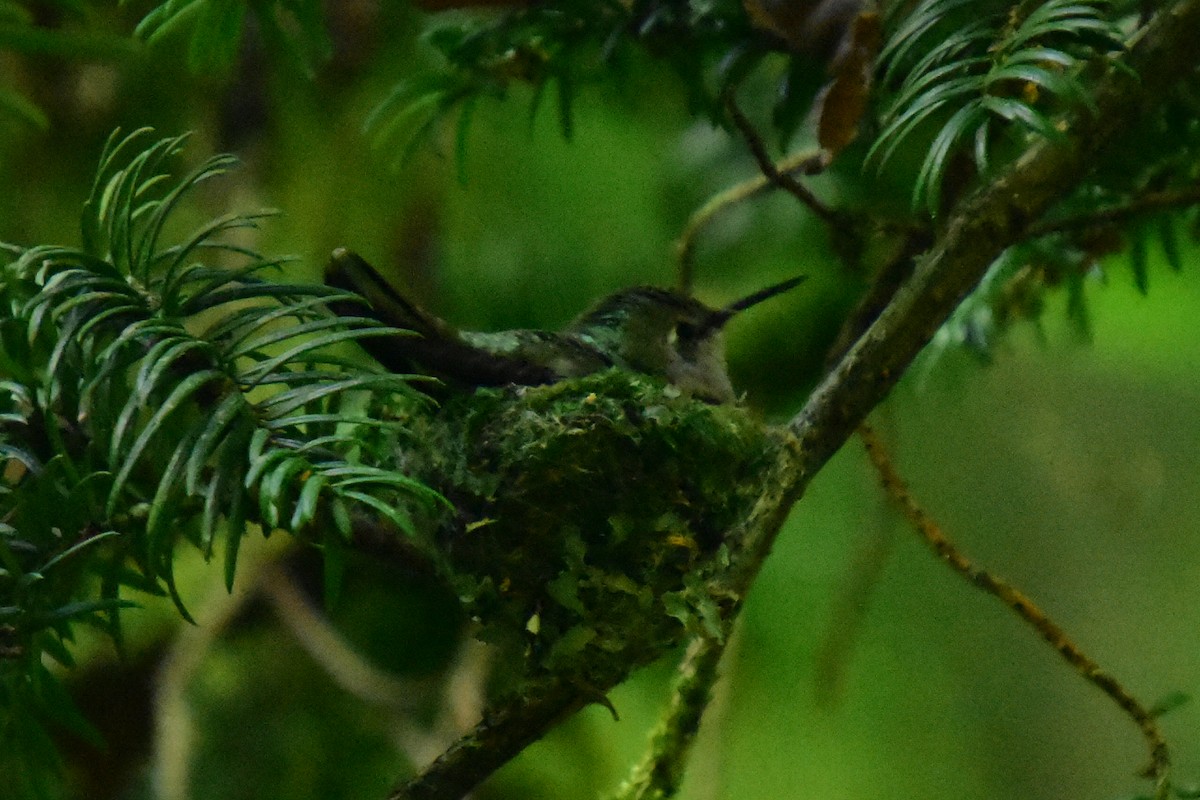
[(983, 71), (151, 398)]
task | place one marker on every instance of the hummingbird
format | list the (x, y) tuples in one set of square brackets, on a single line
[(658, 332)]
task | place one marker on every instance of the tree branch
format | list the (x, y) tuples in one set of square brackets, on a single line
[(660, 772), (1141, 204), (806, 161), (501, 735), (981, 227)]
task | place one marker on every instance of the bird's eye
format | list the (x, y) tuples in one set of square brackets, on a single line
[(685, 330)]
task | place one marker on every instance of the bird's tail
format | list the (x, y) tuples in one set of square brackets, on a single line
[(349, 271)]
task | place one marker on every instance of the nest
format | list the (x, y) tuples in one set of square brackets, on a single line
[(589, 515)]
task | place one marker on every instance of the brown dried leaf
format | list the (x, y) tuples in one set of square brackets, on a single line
[(840, 105)]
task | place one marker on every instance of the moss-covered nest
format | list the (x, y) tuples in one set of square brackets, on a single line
[(589, 514)]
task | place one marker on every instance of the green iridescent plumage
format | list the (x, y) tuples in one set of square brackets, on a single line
[(657, 332)]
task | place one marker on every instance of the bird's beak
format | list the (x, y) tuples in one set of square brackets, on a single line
[(723, 315)]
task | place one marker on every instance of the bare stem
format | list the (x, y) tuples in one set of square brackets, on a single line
[(685, 247), (766, 165), (1022, 605)]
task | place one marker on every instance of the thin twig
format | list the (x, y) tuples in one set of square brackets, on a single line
[(1142, 204), (660, 772), (766, 165), (685, 247), (1025, 608)]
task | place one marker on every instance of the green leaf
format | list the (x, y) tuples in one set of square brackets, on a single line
[(229, 409), (210, 231), (263, 456), (283, 334), (91, 541), (103, 317), (1170, 243), (182, 393), (166, 18), (168, 573), (152, 231), (206, 300), (357, 474), (397, 517), (163, 356), (1052, 82), (286, 402), (254, 375), (235, 529), (240, 325), (341, 518), (307, 504), (923, 17), (226, 488), (273, 491), (929, 179), (308, 420), (163, 508), (1016, 111)]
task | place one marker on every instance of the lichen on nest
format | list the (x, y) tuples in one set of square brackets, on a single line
[(589, 514)]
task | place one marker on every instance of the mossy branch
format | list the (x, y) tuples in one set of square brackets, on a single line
[(660, 772)]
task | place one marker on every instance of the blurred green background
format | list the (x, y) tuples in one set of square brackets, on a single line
[(863, 668)]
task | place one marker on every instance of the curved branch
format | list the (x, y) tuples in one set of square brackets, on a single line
[(806, 161), (1023, 606), (660, 772)]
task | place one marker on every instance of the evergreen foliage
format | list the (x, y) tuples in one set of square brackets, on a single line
[(158, 392), (162, 387)]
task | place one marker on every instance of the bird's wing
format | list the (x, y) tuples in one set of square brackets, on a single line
[(438, 349)]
